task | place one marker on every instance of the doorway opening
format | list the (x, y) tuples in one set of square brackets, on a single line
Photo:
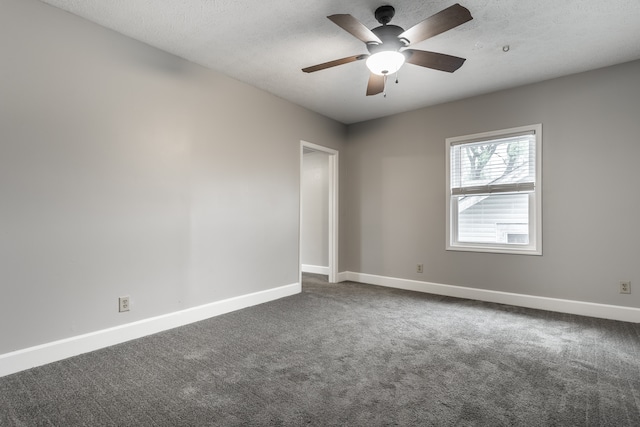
[(318, 246)]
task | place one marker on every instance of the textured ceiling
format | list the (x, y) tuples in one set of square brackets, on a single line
[(267, 43)]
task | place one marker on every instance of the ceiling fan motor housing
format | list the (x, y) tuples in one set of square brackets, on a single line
[(389, 36)]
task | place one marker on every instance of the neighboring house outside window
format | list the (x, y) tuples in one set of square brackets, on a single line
[(494, 193)]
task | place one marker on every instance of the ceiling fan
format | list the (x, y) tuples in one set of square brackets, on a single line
[(388, 44)]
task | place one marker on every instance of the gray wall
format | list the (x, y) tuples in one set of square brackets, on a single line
[(395, 190), (127, 171), (314, 249)]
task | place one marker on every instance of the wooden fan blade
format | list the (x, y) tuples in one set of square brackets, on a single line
[(375, 85), (334, 63), (442, 21), (434, 60), (355, 28)]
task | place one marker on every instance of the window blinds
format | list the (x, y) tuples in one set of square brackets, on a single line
[(501, 165)]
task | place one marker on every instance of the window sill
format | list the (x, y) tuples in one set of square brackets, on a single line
[(495, 249)]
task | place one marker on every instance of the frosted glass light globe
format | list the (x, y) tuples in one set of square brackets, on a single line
[(383, 63)]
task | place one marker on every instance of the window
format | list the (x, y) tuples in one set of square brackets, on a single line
[(494, 192)]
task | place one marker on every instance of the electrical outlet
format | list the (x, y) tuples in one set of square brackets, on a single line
[(420, 268), (625, 287), (123, 304)]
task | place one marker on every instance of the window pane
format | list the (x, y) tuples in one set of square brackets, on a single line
[(496, 218)]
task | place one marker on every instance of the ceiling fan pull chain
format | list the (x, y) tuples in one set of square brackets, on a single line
[(384, 90), (397, 71)]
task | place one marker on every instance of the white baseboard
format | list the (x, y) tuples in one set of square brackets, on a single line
[(46, 353), (344, 276), (316, 269), (603, 311)]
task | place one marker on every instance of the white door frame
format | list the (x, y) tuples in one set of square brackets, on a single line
[(333, 209)]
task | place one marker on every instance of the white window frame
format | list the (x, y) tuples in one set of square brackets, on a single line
[(535, 198)]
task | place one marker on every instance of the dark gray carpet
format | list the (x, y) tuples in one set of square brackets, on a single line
[(348, 354)]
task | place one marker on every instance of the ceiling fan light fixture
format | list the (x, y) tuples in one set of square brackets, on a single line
[(388, 44), (384, 63)]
